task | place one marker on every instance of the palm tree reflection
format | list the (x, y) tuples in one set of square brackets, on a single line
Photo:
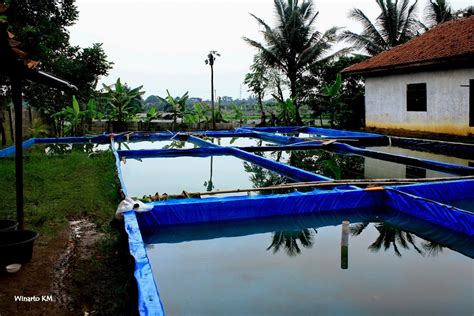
[(391, 236), (288, 240)]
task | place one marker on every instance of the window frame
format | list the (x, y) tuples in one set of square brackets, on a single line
[(416, 97)]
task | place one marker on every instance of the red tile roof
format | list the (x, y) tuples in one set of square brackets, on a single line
[(449, 41), (9, 46)]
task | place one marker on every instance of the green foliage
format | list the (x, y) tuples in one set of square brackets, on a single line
[(332, 98), (257, 82), (72, 120), (293, 44), (42, 28), (178, 105), (150, 115), (347, 109), (332, 90), (122, 103), (286, 112), (396, 24), (38, 129), (238, 114)]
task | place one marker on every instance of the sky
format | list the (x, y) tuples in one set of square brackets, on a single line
[(162, 44)]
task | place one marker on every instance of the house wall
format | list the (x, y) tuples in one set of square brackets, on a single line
[(447, 102)]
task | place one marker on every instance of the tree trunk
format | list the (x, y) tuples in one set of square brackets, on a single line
[(263, 117), (298, 119)]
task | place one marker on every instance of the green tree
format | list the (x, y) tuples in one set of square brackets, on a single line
[(121, 103), (351, 112), (293, 44), (211, 58), (42, 28), (257, 82), (396, 24)]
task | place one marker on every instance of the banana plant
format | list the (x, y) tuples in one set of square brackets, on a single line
[(238, 114), (332, 99), (150, 115), (73, 116), (178, 105), (120, 101)]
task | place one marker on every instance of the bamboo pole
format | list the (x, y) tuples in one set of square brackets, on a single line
[(299, 185)]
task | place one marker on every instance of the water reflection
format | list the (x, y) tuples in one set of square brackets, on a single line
[(322, 162), (62, 149), (285, 258), (393, 237), (176, 144), (288, 240)]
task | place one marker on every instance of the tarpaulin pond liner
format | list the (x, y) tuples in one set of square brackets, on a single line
[(413, 161), (461, 150), (364, 205), (429, 202)]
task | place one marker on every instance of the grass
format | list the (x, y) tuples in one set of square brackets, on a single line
[(61, 188)]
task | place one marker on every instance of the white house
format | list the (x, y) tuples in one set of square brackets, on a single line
[(426, 84)]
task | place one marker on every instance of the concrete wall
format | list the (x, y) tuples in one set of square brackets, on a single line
[(447, 102), (26, 125)]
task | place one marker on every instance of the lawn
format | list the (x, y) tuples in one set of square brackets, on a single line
[(60, 189)]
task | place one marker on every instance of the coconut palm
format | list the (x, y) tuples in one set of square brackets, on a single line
[(396, 24), (293, 44), (437, 12)]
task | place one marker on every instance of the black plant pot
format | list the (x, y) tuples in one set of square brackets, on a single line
[(7, 225), (16, 246)]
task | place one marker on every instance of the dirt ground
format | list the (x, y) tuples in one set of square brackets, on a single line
[(48, 273)]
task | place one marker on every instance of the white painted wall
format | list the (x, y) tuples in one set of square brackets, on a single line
[(447, 102)]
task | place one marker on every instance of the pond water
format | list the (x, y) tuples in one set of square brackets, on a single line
[(239, 141), (350, 167), (296, 266), (193, 174), (158, 144), (422, 154)]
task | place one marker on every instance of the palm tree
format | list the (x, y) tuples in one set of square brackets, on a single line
[(396, 24), (293, 44), (211, 57), (437, 12)]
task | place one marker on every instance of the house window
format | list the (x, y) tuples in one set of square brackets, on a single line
[(416, 97)]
